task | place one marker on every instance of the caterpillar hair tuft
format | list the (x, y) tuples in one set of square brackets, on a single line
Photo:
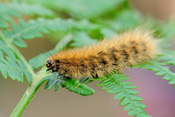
[(105, 57)]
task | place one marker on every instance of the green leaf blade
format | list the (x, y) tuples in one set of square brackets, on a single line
[(75, 86), (124, 91), (72, 85)]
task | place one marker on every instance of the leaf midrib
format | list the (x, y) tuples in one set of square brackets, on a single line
[(132, 103)]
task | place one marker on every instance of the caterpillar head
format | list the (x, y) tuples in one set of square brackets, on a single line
[(52, 65)]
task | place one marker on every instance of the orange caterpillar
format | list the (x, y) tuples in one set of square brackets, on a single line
[(105, 57)]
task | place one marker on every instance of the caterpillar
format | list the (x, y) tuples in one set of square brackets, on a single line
[(105, 57)]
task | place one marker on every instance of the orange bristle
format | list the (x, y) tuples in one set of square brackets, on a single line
[(105, 57)]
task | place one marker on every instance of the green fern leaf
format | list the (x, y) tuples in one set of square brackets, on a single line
[(108, 33), (33, 29), (11, 65), (123, 91), (121, 21), (82, 39), (5, 49), (29, 31), (160, 70), (167, 30), (40, 60), (14, 9), (75, 86), (70, 84), (15, 69), (79, 37), (168, 57), (81, 8), (53, 80), (3, 24)]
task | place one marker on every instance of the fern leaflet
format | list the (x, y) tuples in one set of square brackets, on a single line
[(13, 59), (82, 39), (168, 57), (160, 70), (15, 69), (70, 84), (123, 90), (10, 39), (81, 8), (14, 9), (34, 29), (167, 29), (40, 60)]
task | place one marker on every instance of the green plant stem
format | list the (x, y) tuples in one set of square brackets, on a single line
[(37, 80), (30, 92), (27, 97)]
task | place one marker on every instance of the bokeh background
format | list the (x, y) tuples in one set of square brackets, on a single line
[(158, 95)]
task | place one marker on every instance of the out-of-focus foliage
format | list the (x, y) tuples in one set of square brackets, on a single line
[(80, 8), (78, 23)]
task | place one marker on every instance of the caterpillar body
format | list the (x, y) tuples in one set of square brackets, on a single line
[(105, 57)]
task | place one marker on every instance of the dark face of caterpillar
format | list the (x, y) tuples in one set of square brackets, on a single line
[(52, 65), (49, 65)]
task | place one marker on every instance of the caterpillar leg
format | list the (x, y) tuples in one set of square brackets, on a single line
[(62, 76), (84, 80)]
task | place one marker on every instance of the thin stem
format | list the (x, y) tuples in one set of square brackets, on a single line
[(28, 95), (37, 80), (63, 42)]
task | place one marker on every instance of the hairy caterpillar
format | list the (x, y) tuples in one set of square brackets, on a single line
[(105, 57)]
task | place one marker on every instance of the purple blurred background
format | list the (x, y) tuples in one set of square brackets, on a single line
[(158, 95)]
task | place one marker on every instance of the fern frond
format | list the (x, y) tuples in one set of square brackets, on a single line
[(40, 60), (81, 8), (121, 21), (34, 28), (15, 10), (168, 57), (13, 58), (160, 69), (82, 39), (70, 84), (168, 30), (123, 89), (108, 33), (14, 69), (79, 39)]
